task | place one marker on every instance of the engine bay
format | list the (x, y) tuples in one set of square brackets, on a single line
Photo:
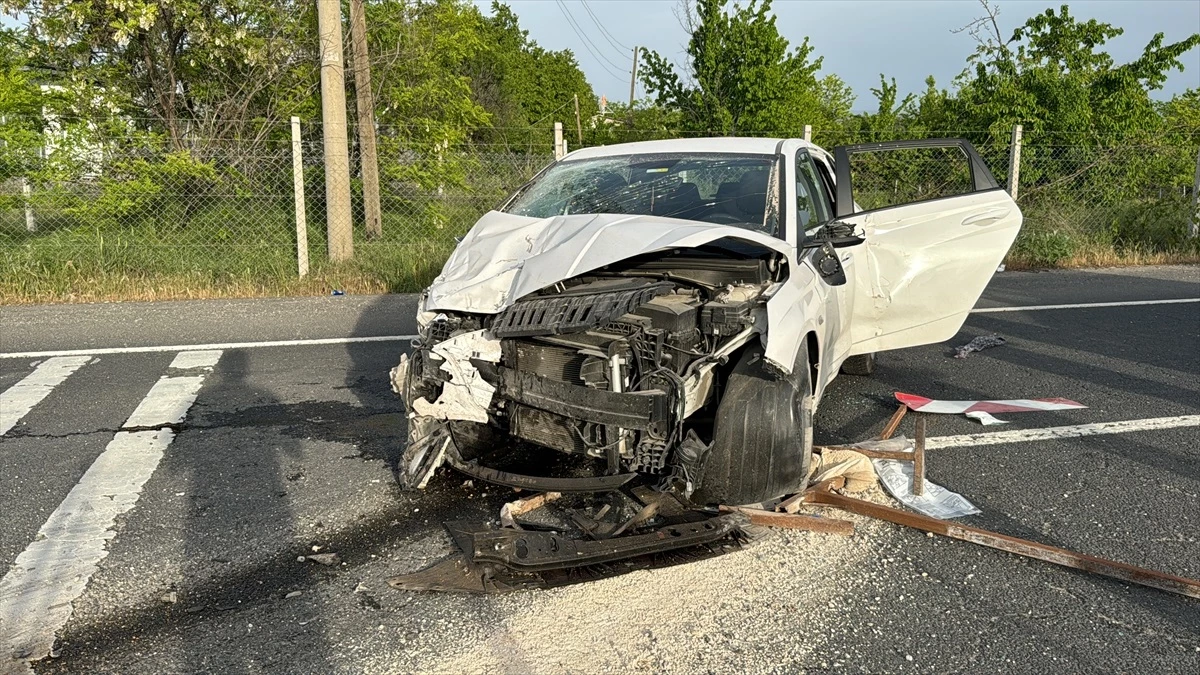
[(615, 365)]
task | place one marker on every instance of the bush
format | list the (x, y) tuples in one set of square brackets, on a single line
[(1044, 248), (1158, 225), (140, 191)]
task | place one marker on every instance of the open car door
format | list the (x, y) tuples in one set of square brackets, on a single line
[(936, 225)]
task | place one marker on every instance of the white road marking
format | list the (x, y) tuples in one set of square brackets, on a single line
[(1084, 305), (196, 359), (1050, 433), (38, 592), (401, 338), (167, 402), (216, 345), (19, 399)]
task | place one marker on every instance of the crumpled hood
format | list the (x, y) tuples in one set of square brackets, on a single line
[(505, 257)]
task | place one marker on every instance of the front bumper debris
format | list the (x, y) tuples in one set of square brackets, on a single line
[(499, 560)]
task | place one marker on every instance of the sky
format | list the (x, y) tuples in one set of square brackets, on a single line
[(859, 39), (908, 40)]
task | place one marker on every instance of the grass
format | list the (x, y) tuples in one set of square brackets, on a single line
[(1064, 234), (247, 249), (222, 252)]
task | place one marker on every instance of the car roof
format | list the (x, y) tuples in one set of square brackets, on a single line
[(741, 145)]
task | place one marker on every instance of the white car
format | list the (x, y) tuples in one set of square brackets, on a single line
[(674, 310)]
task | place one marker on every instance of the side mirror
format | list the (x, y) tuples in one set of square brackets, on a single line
[(836, 234), (825, 260)]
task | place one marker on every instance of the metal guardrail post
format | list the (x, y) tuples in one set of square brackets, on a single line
[(298, 192)]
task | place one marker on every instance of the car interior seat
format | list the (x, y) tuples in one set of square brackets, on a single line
[(605, 193), (682, 201), (750, 204)]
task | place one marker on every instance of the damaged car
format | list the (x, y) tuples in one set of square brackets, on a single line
[(674, 310)]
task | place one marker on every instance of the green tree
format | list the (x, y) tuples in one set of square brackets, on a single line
[(521, 83), (21, 103), (742, 77), (1052, 74), (424, 104), (199, 70)]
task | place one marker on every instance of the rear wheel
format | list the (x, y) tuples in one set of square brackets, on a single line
[(863, 365), (762, 434)]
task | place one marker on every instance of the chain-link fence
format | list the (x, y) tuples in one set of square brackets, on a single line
[(147, 210), (86, 205)]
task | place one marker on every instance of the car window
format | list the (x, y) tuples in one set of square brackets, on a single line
[(812, 203), (905, 175), (724, 189)]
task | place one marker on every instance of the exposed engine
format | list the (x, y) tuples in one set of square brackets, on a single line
[(610, 365)]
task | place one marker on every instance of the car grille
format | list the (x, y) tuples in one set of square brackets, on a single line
[(557, 315)]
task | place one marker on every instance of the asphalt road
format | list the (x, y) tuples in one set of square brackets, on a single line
[(288, 448)]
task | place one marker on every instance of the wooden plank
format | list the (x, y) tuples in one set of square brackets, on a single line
[(510, 511), (796, 502), (893, 423), (918, 486), (903, 455), (794, 521), (1003, 542)]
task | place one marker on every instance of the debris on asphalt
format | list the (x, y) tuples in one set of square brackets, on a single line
[(977, 345), (510, 511), (496, 560), (170, 598), (1024, 547), (293, 594), (936, 502), (985, 418), (327, 559), (794, 521), (929, 405), (577, 539), (894, 423), (854, 467)]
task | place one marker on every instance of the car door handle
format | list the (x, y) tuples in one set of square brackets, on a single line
[(989, 216)]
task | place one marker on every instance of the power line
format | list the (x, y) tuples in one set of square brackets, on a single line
[(612, 40), (587, 43)]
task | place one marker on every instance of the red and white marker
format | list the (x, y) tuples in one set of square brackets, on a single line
[(929, 405)]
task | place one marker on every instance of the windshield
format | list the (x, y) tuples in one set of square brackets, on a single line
[(714, 188)]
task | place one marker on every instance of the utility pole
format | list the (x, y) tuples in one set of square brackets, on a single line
[(339, 225), (632, 84), (578, 124), (364, 104)]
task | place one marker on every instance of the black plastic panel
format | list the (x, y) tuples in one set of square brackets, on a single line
[(555, 315)]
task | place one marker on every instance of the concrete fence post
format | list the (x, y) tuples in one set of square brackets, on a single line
[(298, 193), (558, 141), (27, 194), (1014, 162), (808, 132)]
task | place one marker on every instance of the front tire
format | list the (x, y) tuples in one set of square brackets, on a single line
[(861, 365), (762, 434)]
